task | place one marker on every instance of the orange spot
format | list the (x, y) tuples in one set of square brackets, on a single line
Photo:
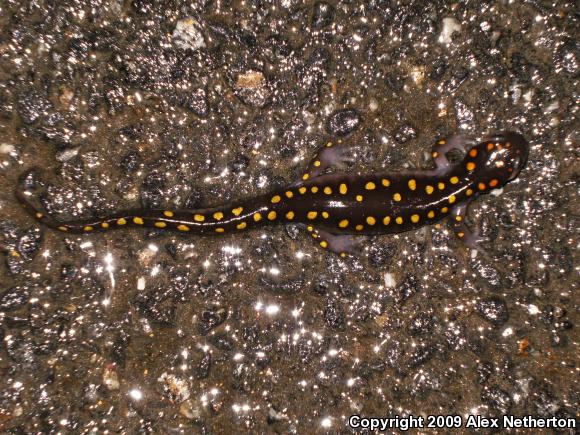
[(493, 183), (489, 146), (470, 166), (473, 153), (481, 186)]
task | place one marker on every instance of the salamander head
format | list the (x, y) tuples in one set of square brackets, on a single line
[(500, 158)]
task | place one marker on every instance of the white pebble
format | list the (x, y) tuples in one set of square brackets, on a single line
[(390, 280), (6, 148), (450, 26), (187, 35)]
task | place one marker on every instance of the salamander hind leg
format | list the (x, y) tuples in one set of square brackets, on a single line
[(341, 244), (330, 155), (444, 146)]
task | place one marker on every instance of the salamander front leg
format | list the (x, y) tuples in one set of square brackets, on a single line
[(328, 156), (469, 237), (339, 244), (444, 146)]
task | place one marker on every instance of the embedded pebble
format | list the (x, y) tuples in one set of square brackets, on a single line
[(322, 15), (187, 35), (449, 26), (6, 148), (494, 310), (343, 122), (252, 89)]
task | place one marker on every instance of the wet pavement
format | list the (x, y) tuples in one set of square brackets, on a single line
[(166, 104)]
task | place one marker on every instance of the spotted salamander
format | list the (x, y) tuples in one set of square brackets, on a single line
[(335, 207)]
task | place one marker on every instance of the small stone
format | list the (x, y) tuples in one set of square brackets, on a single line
[(405, 133), (13, 298), (343, 122), (187, 35), (252, 89), (493, 310), (322, 15), (175, 388), (110, 377), (450, 26)]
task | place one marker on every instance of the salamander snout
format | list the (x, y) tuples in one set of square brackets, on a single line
[(504, 155)]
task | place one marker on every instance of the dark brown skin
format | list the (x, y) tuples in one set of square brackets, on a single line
[(334, 206)]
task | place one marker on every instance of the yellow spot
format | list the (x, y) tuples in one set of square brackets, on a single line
[(452, 199), (272, 215), (218, 215), (237, 211), (305, 177), (470, 166), (359, 227), (198, 218), (359, 198), (121, 221), (275, 199), (371, 220), (434, 154), (412, 184), (138, 221), (489, 146), (160, 224), (454, 180), (105, 224), (442, 142), (317, 163), (481, 186), (469, 192), (312, 215), (415, 218), (302, 190), (440, 186), (343, 223), (168, 213), (219, 230), (370, 186), (385, 182), (431, 214), (327, 190), (397, 197), (289, 194), (343, 189), (63, 228), (429, 190), (493, 182), (473, 152), (39, 215), (325, 215), (458, 218), (343, 254), (182, 227), (310, 228), (88, 228), (386, 220), (399, 220), (257, 217), (314, 189), (290, 215), (329, 144), (324, 244), (444, 210), (241, 225), (460, 234)]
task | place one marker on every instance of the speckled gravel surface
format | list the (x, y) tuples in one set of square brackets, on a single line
[(120, 104)]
